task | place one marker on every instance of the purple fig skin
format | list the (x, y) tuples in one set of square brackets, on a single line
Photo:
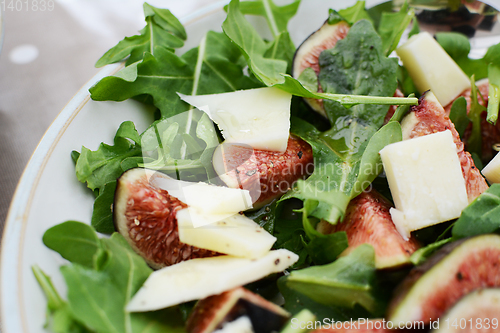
[(451, 273), (146, 218)]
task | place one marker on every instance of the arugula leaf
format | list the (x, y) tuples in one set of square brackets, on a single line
[(370, 165), (271, 71), (295, 302), (99, 167), (98, 292), (482, 216), (322, 249), (458, 47), (253, 47), (83, 239), (458, 115), (351, 14), (213, 67), (422, 254), (346, 155), (494, 93), (218, 66), (282, 48), (159, 76), (102, 213), (475, 140), (182, 145), (277, 17), (162, 28), (392, 26), (59, 318), (346, 282)]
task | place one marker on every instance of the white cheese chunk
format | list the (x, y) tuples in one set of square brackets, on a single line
[(432, 68), (199, 278), (239, 325), (426, 181), (492, 170), (236, 235), (207, 198), (259, 117)]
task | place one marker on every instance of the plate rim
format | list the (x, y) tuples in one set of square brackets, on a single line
[(12, 314)]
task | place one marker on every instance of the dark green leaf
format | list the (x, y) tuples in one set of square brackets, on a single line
[(475, 111), (277, 17), (74, 156), (341, 168), (94, 299), (162, 28), (296, 302), (74, 241), (253, 47), (371, 163), (406, 83), (346, 282), (122, 259), (323, 249), (482, 216), (271, 72), (213, 67), (98, 296), (392, 26), (282, 48), (165, 19), (355, 13), (59, 319), (160, 76), (494, 93), (415, 29), (102, 166), (493, 54), (357, 66), (455, 44), (458, 115), (422, 254), (458, 47), (102, 214)]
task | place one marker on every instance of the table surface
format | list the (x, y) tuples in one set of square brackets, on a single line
[(48, 53)]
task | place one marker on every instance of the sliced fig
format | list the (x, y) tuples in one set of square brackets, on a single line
[(476, 312), (146, 218), (213, 312), (368, 220), (266, 174), (490, 133), (308, 53), (360, 326), (430, 290), (430, 117)]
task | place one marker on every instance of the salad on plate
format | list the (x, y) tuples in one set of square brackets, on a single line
[(336, 186)]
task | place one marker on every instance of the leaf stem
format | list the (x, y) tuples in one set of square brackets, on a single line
[(270, 18), (350, 100)]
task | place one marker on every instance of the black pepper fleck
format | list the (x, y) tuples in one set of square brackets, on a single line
[(459, 276), (299, 154), (251, 172), (276, 262)]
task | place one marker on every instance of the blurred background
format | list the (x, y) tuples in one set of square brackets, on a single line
[(48, 53)]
